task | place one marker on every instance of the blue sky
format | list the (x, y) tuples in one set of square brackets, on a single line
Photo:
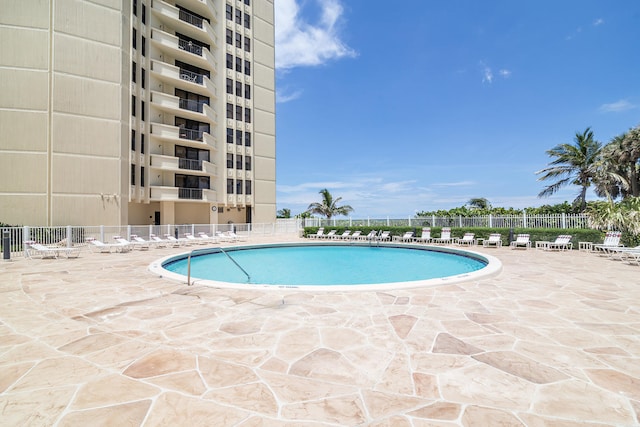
[(400, 107)]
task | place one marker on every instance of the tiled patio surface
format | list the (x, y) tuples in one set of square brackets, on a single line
[(553, 340)]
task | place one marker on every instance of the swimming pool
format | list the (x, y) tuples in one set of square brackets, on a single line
[(327, 266)]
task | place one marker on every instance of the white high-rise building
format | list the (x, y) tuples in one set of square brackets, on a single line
[(137, 112)]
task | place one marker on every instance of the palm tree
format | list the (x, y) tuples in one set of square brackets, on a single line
[(479, 203), (574, 164), (284, 213), (329, 207)]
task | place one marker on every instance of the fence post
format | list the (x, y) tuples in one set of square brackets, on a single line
[(69, 237), (433, 220), (524, 219), (491, 221), (128, 232), (564, 220), (26, 235), (102, 233)]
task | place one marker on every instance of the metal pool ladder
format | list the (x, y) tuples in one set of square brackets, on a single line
[(209, 251)]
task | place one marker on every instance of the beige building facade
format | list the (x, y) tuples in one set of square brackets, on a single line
[(137, 112)]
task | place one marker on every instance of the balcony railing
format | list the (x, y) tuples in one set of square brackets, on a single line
[(190, 18), (190, 76), (191, 134), (191, 105), (194, 165), (190, 193), (190, 47)]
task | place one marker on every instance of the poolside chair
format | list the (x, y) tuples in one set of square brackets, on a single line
[(173, 241), (425, 237), (330, 235), (494, 240), (406, 237), (236, 237), (224, 237), (345, 235), (34, 249), (468, 239), (97, 245), (126, 245), (522, 241), (207, 238), (157, 241), (319, 234), (139, 242), (193, 239), (562, 243), (620, 252), (445, 236), (372, 235), (611, 240), (384, 236), (356, 235)]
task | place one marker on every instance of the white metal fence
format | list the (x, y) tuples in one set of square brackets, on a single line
[(491, 221), (76, 236)]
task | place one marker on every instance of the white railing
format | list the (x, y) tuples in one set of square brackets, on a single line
[(490, 221), (76, 236)]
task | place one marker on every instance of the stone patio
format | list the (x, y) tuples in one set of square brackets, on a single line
[(553, 340)]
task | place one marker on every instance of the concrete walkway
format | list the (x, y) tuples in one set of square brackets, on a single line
[(553, 340)]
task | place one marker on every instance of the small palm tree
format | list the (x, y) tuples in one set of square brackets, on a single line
[(284, 213), (328, 207), (574, 164), (479, 203)]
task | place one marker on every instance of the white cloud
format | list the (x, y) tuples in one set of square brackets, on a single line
[(300, 43), (598, 22), (505, 73), (617, 107), (487, 75), (283, 96)]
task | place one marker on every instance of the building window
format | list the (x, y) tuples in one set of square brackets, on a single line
[(229, 136), (247, 91), (238, 112), (142, 143), (229, 37), (247, 115), (247, 2), (247, 21), (238, 162), (144, 14), (133, 71), (247, 68), (247, 187), (143, 78), (229, 161), (238, 137), (135, 7), (229, 86), (247, 139), (134, 36), (144, 46), (239, 65), (229, 110), (142, 176), (229, 12), (239, 40), (238, 16), (133, 140), (229, 186), (247, 163), (142, 111), (133, 174), (247, 44), (133, 105), (238, 187), (238, 89), (229, 61)]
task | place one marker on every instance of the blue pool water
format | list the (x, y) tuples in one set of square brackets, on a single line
[(325, 265)]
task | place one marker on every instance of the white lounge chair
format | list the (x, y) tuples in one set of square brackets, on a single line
[(385, 236), (173, 241), (97, 245), (205, 236), (445, 236), (126, 245), (372, 235), (494, 240), (611, 240), (620, 252), (193, 239), (160, 243), (236, 237), (330, 235), (356, 235), (406, 237), (224, 237), (345, 235), (522, 241), (36, 249), (319, 234), (139, 242), (562, 243), (468, 239), (425, 237)]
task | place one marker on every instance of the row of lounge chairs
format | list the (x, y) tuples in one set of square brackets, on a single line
[(123, 245), (37, 250), (613, 249)]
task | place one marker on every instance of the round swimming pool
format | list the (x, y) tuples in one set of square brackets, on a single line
[(326, 266)]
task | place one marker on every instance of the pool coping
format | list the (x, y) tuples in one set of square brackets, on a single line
[(493, 268)]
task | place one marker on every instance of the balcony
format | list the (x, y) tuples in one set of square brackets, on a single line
[(162, 193), (173, 134), (185, 108), (191, 105), (183, 50), (175, 164), (183, 79), (185, 22), (191, 134)]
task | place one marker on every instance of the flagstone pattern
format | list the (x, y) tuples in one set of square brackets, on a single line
[(553, 340)]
